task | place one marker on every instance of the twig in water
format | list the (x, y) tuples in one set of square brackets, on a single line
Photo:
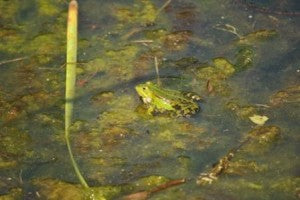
[(20, 177), (209, 86), (132, 32), (157, 70), (145, 194), (163, 6), (220, 166), (228, 28), (142, 41), (262, 105), (13, 60), (168, 185)]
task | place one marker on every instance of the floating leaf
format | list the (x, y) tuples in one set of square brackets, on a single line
[(259, 119)]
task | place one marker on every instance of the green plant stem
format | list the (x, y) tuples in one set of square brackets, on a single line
[(70, 80)]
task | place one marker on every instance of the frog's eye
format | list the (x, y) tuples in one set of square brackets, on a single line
[(144, 88)]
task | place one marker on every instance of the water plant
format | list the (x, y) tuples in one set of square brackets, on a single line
[(70, 81)]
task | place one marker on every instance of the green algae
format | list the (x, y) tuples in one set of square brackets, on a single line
[(156, 34), (111, 128), (243, 167), (103, 97), (9, 112), (15, 142), (141, 12), (11, 41), (119, 114), (216, 74), (235, 186), (176, 140), (185, 62), (184, 165), (262, 139), (244, 58), (123, 55), (48, 8), (14, 194), (95, 66), (177, 41), (36, 101), (288, 95), (166, 140), (104, 192), (171, 41), (31, 37), (282, 187), (7, 164), (149, 182), (11, 8), (220, 70), (257, 36), (288, 185), (115, 63), (178, 136), (121, 60), (223, 66), (55, 189), (167, 136), (47, 46), (265, 135), (241, 111)]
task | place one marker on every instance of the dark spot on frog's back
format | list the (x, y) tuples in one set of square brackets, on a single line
[(177, 107), (187, 112), (193, 110)]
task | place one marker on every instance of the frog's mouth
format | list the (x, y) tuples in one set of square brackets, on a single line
[(145, 100), (141, 98)]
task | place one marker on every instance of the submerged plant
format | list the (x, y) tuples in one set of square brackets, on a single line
[(70, 80)]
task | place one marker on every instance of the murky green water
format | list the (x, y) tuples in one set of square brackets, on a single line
[(241, 56)]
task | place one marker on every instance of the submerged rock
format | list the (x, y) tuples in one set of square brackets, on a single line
[(288, 95)]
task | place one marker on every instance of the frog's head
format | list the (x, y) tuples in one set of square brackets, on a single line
[(145, 92)]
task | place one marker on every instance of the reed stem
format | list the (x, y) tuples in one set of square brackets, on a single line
[(70, 81)]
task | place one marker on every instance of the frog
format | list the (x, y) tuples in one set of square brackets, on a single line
[(162, 100)]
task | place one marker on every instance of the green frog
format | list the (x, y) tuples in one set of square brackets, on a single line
[(161, 100)]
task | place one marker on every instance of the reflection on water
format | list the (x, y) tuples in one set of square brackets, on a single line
[(241, 57)]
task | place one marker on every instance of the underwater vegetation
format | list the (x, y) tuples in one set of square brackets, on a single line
[(218, 122)]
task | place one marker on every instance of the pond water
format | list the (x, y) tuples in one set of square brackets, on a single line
[(242, 57)]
